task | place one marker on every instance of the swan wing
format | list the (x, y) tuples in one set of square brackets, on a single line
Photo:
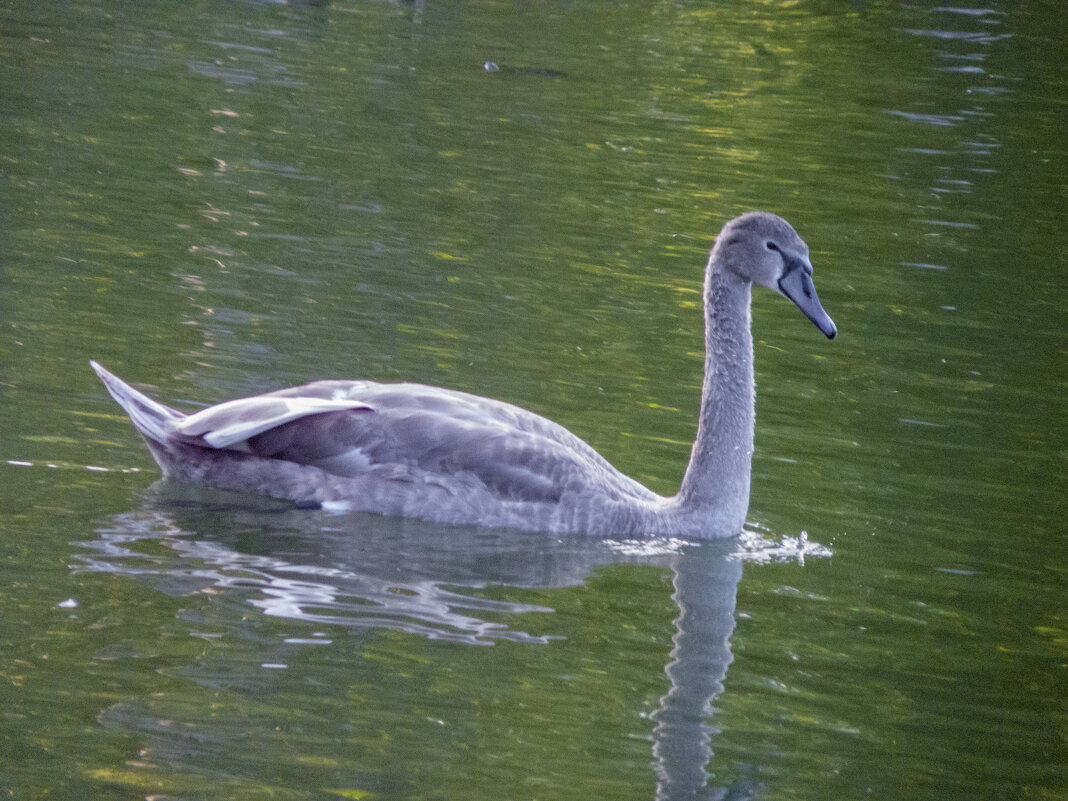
[(227, 424), (414, 432)]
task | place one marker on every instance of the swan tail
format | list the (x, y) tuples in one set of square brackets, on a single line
[(152, 419)]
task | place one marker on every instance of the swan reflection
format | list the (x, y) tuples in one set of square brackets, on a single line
[(370, 572)]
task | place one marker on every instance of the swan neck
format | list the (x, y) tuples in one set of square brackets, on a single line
[(717, 478)]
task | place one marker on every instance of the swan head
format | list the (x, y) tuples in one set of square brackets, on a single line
[(765, 249)]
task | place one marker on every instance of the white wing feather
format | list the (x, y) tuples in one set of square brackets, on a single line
[(235, 421)]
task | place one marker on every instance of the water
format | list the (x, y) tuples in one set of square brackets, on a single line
[(220, 200)]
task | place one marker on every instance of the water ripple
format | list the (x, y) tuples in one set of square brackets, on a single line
[(153, 544)]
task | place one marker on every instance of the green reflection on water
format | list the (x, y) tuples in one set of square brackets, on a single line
[(222, 200)]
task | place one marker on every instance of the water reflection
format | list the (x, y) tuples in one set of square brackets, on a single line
[(338, 571), (370, 572), (706, 590)]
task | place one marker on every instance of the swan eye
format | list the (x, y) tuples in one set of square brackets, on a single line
[(772, 246)]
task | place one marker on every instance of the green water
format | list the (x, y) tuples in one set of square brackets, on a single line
[(219, 199)]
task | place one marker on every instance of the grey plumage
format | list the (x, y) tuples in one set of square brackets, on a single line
[(420, 451)]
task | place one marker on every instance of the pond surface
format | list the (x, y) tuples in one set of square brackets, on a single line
[(220, 199)]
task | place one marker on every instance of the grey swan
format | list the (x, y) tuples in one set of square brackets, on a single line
[(452, 457)]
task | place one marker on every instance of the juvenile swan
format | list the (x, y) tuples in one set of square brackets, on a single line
[(418, 451)]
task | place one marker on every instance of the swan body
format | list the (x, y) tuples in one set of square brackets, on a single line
[(438, 454)]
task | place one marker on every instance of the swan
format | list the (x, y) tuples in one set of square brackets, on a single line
[(452, 457)]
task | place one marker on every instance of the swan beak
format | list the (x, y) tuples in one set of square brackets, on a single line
[(796, 284)]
